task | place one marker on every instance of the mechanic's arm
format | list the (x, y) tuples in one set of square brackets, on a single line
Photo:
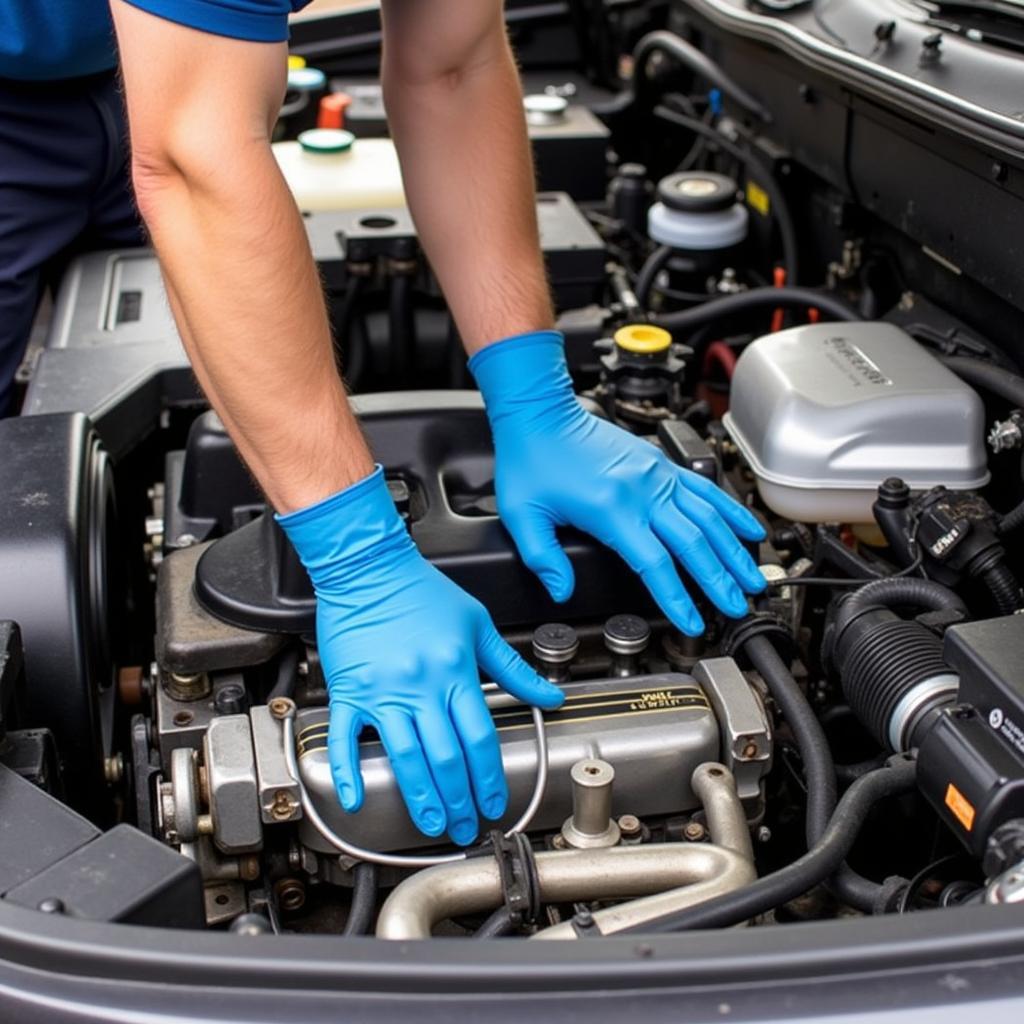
[(398, 641), (455, 109)]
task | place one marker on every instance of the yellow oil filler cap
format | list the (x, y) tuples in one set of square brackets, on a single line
[(295, 62), (643, 339)]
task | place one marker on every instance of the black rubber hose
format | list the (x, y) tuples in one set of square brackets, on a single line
[(1013, 519), (899, 776), (819, 768), (1004, 588), (498, 924), (349, 352), (364, 900), (648, 272), (690, 57), (401, 326), (757, 300), (746, 156), (988, 377), (287, 675), (901, 592)]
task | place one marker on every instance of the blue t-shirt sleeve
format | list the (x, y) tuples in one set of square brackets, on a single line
[(259, 21)]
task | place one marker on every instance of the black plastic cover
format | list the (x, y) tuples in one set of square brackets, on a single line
[(122, 875)]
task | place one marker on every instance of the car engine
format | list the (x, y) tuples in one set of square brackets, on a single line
[(777, 310)]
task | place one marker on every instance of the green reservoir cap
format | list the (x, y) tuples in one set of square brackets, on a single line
[(326, 140)]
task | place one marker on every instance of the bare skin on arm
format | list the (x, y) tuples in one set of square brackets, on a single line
[(242, 281)]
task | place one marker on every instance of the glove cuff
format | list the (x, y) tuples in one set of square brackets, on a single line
[(523, 372), (342, 533)]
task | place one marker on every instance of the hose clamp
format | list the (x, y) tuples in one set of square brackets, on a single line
[(927, 692)]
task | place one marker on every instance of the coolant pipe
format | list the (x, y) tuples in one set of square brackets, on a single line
[(670, 876)]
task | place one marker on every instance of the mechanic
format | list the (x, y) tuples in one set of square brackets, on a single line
[(400, 644), (63, 167)]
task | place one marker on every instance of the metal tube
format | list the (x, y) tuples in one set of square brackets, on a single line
[(690, 873), (591, 822)]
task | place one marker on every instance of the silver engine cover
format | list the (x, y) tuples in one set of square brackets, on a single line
[(655, 730)]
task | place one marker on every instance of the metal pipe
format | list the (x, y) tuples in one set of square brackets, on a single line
[(474, 886), (727, 823)]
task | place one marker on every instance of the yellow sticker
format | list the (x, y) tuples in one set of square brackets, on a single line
[(758, 199), (960, 806)]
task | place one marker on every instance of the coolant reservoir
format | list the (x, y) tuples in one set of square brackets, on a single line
[(330, 169), (825, 412)]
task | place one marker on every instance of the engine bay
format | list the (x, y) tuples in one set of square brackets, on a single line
[(734, 287)]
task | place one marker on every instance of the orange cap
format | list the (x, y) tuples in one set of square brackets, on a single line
[(332, 110)]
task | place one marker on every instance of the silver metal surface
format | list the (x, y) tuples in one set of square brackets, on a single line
[(231, 778), (1007, 887), (278, 791), (617, 872), (337, 844), (941, 689), (182, 824), (746, 733), (591, 823), (727, 824), (827, 408), (654, 729)]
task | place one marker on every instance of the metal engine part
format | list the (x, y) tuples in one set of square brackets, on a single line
[(655, 730)]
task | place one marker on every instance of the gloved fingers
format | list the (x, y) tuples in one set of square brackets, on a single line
[(534, 536), (398, 734), (509, 671), (648, 558), (740, 519), (343, 730), (723, 541), (691, 548), (448, 767), (479, 739)]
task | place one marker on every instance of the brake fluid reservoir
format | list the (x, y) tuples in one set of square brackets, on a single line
[(330, 169), (824, 413)]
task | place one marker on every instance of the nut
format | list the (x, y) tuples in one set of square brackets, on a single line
[(694, 832), (629, 825), (282, 707), (283, 806)]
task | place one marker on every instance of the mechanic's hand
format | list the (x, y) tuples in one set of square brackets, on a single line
[(400, 643), (557, 465)]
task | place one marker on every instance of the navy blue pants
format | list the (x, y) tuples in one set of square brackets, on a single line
[(64, 189)]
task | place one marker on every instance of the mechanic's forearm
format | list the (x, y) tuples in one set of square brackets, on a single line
[(238, 263), (466, 160)]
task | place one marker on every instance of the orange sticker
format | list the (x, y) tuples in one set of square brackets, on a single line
[(960, 806)]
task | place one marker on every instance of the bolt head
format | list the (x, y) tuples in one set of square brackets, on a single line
[(51, 905)]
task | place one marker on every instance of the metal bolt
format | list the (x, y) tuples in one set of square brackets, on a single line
[(186, 540), (188, 686), (694, 832), (559, 843), (764, 834), (113, 769), (283, 806), (1007, 434), (204, 825), (183, 718), (281, 707), (249, 868), (629, 825), (51, 905), (290, 893)]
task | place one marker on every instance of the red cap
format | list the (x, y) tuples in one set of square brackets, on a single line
[(332, 110)]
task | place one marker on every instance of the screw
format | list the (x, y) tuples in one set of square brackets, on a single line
[(282, 707), (204, 825), (749, 750), (559, 843), (249, 868), (764, 834), (283, 806), (51, 905), (694, 832)]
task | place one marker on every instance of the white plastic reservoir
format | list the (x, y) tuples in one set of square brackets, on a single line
[(330, 169)]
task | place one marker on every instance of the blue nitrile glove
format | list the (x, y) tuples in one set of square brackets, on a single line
[(399, 643), (558, 465)]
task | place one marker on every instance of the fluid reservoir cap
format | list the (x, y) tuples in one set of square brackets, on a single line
[(542, 108), (331, 113), (295, 62), (326, 140), (643, 339), (555, 643), (626, 634), (306, 80), (697, 192)]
